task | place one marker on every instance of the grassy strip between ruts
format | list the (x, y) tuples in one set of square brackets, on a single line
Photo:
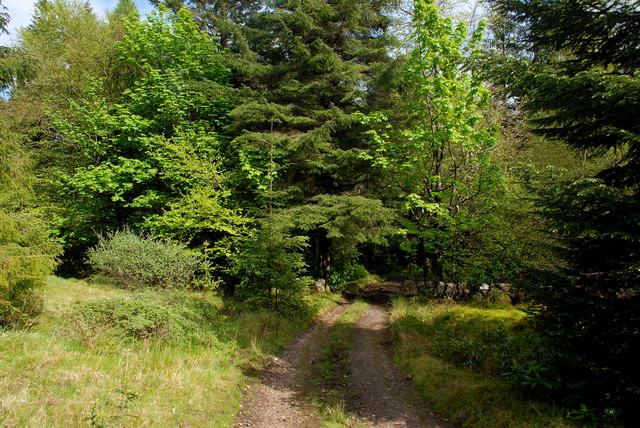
[(332, 371), (448, 350), (136, 369)]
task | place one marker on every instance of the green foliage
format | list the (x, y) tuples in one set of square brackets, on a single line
[(344, 274), (135, 261), (146, 315), (581, 89), (150, 158), (299, 124), (27, 256), (102, 374), (489, 356), (63, 46), (4, 18), (438, 157), (344, 223), (271, 266)]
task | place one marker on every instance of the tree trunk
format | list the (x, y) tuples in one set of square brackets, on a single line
[(422, 261), (324, 250), (435, 267)]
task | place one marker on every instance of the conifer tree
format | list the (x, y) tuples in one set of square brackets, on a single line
[(309, 92), (27, 256), (575, 70)]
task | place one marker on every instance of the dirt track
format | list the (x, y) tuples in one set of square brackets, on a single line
[(380, 396), (385, 397), (278, 401)]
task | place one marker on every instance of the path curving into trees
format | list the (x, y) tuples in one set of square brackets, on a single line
[(385, 398), (278, 401)]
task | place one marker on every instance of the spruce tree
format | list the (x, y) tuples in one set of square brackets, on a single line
[(576, 71), (319, 65)]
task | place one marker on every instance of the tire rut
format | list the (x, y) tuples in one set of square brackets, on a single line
[(383, 396), (279, 399)]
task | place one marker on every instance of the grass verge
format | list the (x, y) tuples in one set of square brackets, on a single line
[(67, 371), (455, 355)]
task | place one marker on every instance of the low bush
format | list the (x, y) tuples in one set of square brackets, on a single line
[(478, 362), (134, 261), (343, 275), (493, 341), (145, 315)]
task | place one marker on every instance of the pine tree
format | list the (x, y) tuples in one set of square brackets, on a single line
[(4, 18), (27, 256)]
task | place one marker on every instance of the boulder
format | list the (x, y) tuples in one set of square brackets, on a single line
[(504, 287), (320, 285), (451, 290), (440, 289), (463, 289), (410, 287)]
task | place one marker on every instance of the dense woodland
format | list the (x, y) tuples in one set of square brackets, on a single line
[(251, 148)]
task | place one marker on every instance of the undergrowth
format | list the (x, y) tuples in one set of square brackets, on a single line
[(472, 363)]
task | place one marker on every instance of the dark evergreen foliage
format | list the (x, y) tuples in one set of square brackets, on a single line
[(576, 73), (300, 125)]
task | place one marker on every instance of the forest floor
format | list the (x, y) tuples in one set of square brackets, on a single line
[(338, 373)]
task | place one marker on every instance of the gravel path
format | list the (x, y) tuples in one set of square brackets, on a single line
[(379, 395), (278, 401), (385, 398)]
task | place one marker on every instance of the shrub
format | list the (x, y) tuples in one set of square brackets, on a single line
[(495, 341), (135, 261), (26, 259), (148, 315), (270, 266), (343, 275)]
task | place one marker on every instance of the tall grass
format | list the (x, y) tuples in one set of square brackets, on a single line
[(51, 377)]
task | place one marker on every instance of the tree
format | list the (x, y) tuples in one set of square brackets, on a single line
[(150, 159), (27, 256), (575, 71), (307, 96), (270, 265), (4, 18), (438, 156)]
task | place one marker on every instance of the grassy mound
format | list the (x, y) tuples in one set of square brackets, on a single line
[(149, 315)]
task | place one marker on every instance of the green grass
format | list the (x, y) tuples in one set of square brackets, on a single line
[(455, 355), (53, 376)]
